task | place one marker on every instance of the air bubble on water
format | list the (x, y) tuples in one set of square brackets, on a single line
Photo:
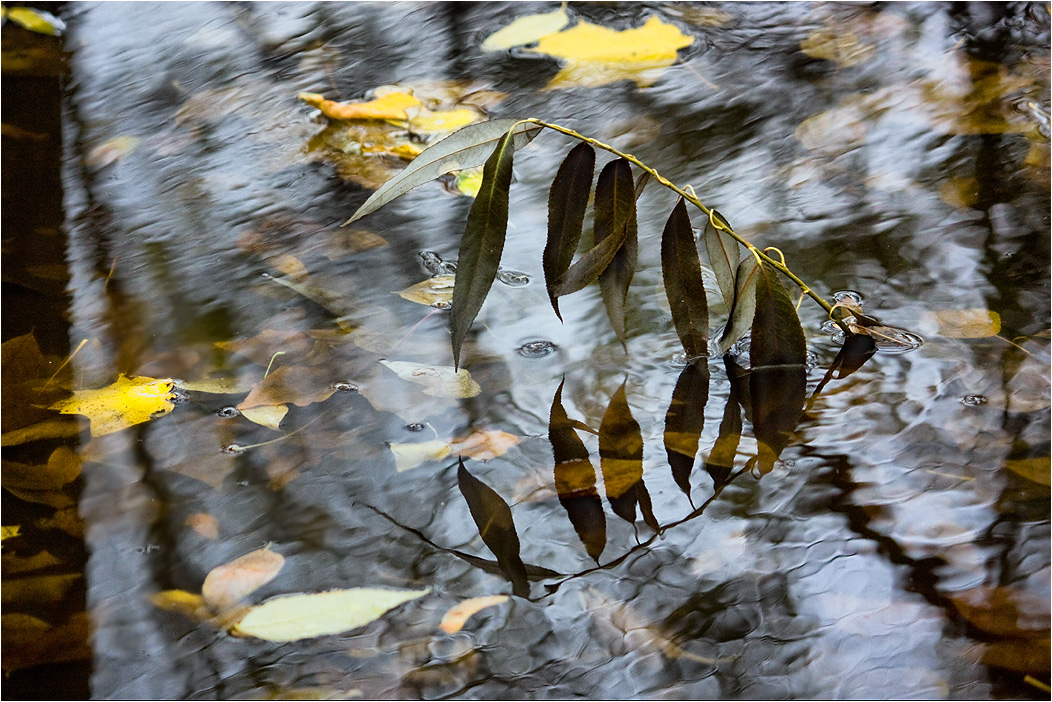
[(513, 279), (850, 297), (536, 349), (233, 448), (415, 426), (344, 386), (810, 361), (679, 360), (228, 412), (974, 400)]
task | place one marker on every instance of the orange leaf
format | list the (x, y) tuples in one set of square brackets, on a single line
[(231, 582), (389, 106), (484, 445), (458, 615)]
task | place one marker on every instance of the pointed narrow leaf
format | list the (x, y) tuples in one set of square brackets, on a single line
[(467, 147), (566, 207), (641, 183), (621, 456), (681, 271), (778, 381), (493, 518), (744, 307), (685, 420), (777, 336), (615, 210), (575, 480), (587, 268), (724, 256), (720, 463), (482, 243)]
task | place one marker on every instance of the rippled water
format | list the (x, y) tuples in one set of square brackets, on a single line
[(909, 511)]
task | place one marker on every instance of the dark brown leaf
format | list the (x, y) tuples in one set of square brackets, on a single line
[(575, 480), (685, 420), (567, 201), (681, 271), (621, 456), (724, 256), (493, 518), (615, 211)]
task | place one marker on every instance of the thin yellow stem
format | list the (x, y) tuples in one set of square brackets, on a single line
[(716, 221), (64, 363)]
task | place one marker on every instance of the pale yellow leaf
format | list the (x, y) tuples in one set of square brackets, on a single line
[(391, 105), (597, 55), (128, 401), (458, 615), (232, 582), (527, 29), (39, 21), (217, 386), (968, 323), (424, 121), (112, 150), (433, 292), (439, 381), (409, 456), (305, 616), (469, 181), (269, 416)]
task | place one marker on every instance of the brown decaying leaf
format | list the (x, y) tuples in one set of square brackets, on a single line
[(297, 385), (63, 467), (458, 615), (228, 584), (436, 291), (29, 641), (204, 524)]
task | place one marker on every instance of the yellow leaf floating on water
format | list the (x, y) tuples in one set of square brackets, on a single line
[(527, 29), (436, 291), (306, 616), (35, 20), (438, 381), (597, 55), (9, 532), (408, 456), (391, 105), (125, 403), (484, 444), (458, 615), (228, 584), (269, 416), (424, 121), (968, 323)]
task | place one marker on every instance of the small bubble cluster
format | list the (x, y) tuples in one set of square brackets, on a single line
[(344, 386), (974, 400), (513, 279), (536, 349)]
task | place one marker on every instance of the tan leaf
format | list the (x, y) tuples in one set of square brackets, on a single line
[(834, 44), (433, 292), (484, 445), (204, 524), (458, 615), (297, 385), (968, 323), (439, 381), (63, 467), (409, 456), (269, 416), (228, 584)]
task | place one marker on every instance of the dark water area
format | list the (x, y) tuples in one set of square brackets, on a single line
[(172, 210)]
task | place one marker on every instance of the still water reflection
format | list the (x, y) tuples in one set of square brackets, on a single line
[(861, 530)]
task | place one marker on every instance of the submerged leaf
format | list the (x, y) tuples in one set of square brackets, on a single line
[(720, 463), (465, 148), (408, 456), (681, 271), (458, 615), (968, 323), (685, 420), (567, 201), (128, 401), (228, 584), (615, 218), (484, 444), (305, 616), (297, 385), (596, 55), (527, 29), (575, 479), (1038, 469), (438, 381), (493, 518), (482, 243), (724, 257)]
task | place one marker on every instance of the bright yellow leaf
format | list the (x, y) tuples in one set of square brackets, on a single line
[(9, 532), (597, 55), (389, 106), (527, 29), (126, 402), (35, 20), (469, 181)]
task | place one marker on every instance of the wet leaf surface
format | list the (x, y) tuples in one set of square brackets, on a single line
[(615, 220), (125, 403), (567, 201), (744, 309), (482, 243), (526, 30), (439, 381), (458, 615), (681, 271), (621, 460), (232, 582), (724, 256)]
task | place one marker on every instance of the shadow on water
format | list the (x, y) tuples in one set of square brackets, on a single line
[(580, 510)]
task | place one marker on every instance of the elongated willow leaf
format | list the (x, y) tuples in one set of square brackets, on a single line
[(720, 463), (493, 518), (482, 243), (684, 421), (467, 147), (621, 456), (587, 268), (778, 381), (724, 256), (575, 479), (744, 308), (566, 206), (615, 212), (681, 271)]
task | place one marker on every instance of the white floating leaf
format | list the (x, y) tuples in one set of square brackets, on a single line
[(306, 616), (527, 29), (439, 381)]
